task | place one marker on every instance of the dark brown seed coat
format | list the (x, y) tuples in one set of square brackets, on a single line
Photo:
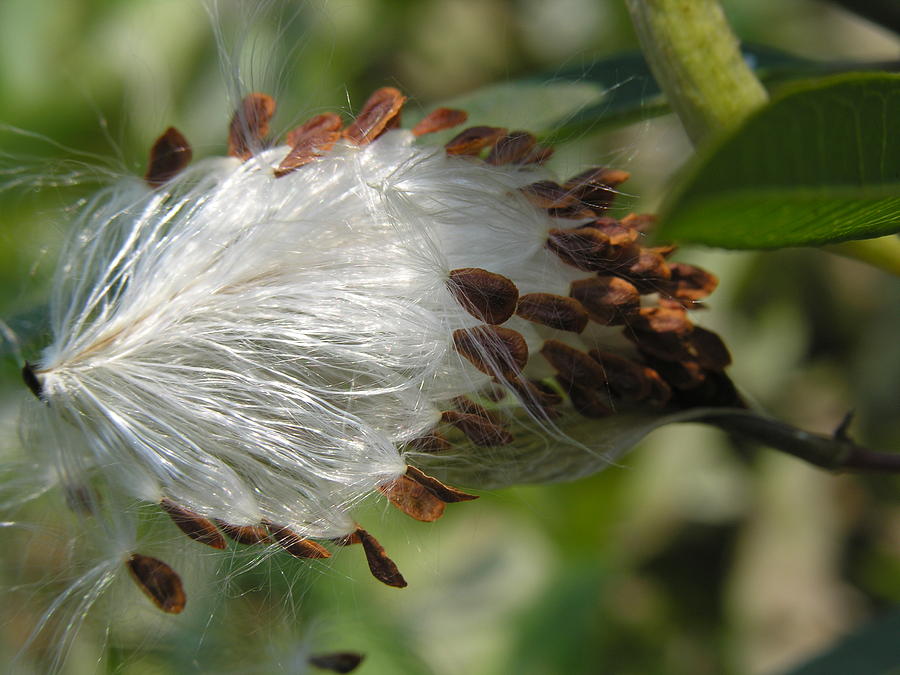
[(158, 581)]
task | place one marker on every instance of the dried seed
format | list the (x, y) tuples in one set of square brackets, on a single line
[(513, 148), (337, 662), (609, 300), (473, 140), (649, 273), (193, 524), (539, 154), (624, 377), (32, 382), (554, 311), (556, 200), (480, 431), (439, 120), (296, 545), (467, 405), (590, 249), (443, 492), (660, 391), (487, 296), (536, 397), (414, 499), (169, 156), (246, 534), (642, 222), (663, 320), (433, 442), (682, 374), (662, 332), (250, 125), (573, 367), (493, 350), (712, 354), (349, 540), (595, 188), (158, 581), (665, 251), (590, 402), (619, 235), (382, 567), (691, 283), (309, 141), (323, 122), (599, 177), (716, 390), (379, 113), (81, 498)]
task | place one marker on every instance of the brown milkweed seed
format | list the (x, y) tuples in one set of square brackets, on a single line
[(414, 499), (169, 156), (554, 311), (473, 140), (586, 248), (573, 366), (513, 148), (608, 300), (439, 120), (250, 125), (590, 402), (660, 391), (467, 405), (193, 524), (691, 283), (595, 188), (380, 565), (158, 581), (537, 397), (308, 141), (379, 113), (711, 351), (619, 235), (555, 199), (642, 222), (480, 431), (246, 534), (296, 545), (492, 349), (624, 377), (323, 122), (444, 492), (539, 154), (649, 273), (602, 177), (433, 442), (32, 381), (487, 296), (337, 662)]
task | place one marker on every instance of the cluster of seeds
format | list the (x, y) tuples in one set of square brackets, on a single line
[(577, 319)]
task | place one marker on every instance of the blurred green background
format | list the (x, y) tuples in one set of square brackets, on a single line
[(692, 557)]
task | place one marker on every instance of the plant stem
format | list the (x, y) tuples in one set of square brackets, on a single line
[(838, 452), (697, 62)]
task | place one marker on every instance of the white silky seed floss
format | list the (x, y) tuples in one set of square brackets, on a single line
[(258, 348)]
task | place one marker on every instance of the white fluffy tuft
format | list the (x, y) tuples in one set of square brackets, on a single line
[(259, 348)]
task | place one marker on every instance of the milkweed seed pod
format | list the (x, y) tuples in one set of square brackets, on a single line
[(256, 343)]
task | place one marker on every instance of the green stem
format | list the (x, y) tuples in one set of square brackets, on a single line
[(696, 59)]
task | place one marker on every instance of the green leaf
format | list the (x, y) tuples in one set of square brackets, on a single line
[(819, 164), (608, 92)]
